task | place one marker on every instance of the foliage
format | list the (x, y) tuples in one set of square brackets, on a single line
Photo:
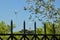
[(43, 9), (46, 12), (49, 28), (5, 30)]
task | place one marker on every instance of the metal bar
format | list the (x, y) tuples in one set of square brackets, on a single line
[(35, 29), (30, 34), (11, 30), (53, 29), (45, 30), (24, 30)]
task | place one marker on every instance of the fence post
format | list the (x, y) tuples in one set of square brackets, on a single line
[(35, 29), (11, 30), (53, 29), (24, 30), (45, 30)]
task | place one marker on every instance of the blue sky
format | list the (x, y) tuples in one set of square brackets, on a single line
[(7, 10)]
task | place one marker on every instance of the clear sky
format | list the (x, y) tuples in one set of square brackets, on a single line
[(7, 10)]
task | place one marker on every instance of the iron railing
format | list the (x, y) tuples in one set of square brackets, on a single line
[(35, 36)]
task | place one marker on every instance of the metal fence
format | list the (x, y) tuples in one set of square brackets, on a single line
[(35, 36)]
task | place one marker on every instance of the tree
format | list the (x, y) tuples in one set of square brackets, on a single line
[(43, 9), (4, 28), (49, 29)]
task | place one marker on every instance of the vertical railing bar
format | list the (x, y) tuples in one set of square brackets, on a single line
[(53, 32), (35, 29), (24, 29), (45, 30), (11, 30), (53, 29)]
